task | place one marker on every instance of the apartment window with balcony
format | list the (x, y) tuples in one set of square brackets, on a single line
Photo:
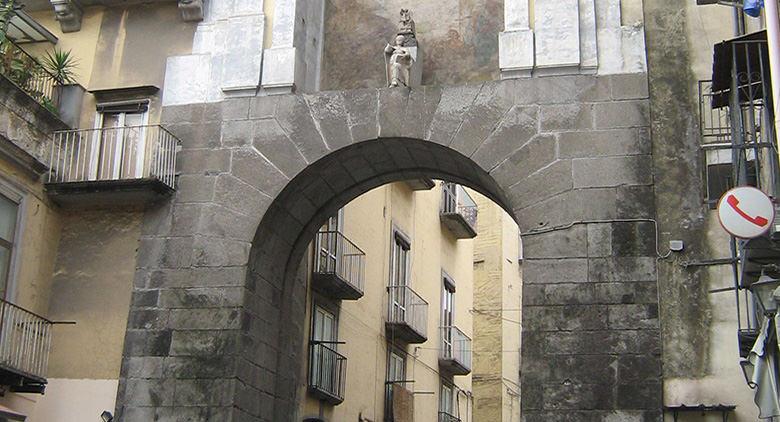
[(327, 368), (447, 313), (119, 150), (9, 210), (399, 405), (447, 404), (399, 276)]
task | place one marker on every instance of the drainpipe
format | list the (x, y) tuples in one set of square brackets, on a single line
[(773, 44)]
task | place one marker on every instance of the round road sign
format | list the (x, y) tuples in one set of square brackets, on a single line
[(746, 212)]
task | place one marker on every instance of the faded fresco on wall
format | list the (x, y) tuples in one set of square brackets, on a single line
[(458, 38)]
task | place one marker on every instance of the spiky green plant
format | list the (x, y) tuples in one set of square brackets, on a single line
[(7, 8), (61, 65)]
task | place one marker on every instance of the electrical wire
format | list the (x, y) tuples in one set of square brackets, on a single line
[(536, 232)]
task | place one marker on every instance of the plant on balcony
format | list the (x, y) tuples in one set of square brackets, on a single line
[(60, 65)]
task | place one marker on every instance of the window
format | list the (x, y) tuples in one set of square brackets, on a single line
[(446, 402), (396, 373), (9, 211), (329, 245), (399, 266), (396, 367), (324, 359), (119, 146), (399, 277), (447, 314)]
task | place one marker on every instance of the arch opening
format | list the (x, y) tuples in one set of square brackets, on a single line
[(291, 222)]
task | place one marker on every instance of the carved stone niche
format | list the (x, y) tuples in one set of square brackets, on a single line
[(191, 10), (68, 13)]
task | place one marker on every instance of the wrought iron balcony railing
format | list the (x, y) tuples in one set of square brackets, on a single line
[(25, 340), (117, 153), (339, 267), (446, 417), (327, 372), (407, 314), (455, 351), (459, 211), (29, 75)]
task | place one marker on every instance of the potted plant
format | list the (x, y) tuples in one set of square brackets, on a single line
[(68, 94)]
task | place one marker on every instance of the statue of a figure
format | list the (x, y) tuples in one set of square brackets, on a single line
[(399, 62), (407, 29)]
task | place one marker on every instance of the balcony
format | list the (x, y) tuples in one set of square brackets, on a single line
[(327, 372), (421, 184), (446, 417), (407, 318), (455, 351), (29, 75), (339, 266), (458, 211), (117, 165), (25, 340)]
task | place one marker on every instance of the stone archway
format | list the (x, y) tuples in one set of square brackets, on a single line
[(216, 275)]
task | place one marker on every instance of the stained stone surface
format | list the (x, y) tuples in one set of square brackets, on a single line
[(219, 296), (557, 30)]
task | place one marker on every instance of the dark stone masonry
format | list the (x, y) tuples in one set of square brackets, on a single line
[(215, 327)]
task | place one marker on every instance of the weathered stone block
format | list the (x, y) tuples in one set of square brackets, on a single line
[(575, 396), (633, 317), (490, 108), (517, 127), (272, 142), (215, 252), (236, 133), (203, 343), (294, 116), (568, 243), (194, 188), (556, 26), (361, 106), (257, 171), (537, 153), (239, 196), (545, 183), (205, 319), (555, 270), (565, 318), (620, 114), (330, 115), (629, 86), (203, 161), (454, 103), (602, 143), (622, 269), (566, 117), (612, 171), (149, 392), (639, 396)]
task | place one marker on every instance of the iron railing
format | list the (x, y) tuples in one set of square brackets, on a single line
[(327, 370), (457, 201), (25, 340), (446, 417), (337, 255), (28, 74), (117, 153), (407, 307), (456, 346)]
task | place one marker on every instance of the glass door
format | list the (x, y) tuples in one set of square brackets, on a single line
[(399, 278), (324, 359), (447, 319), (119, 147)]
